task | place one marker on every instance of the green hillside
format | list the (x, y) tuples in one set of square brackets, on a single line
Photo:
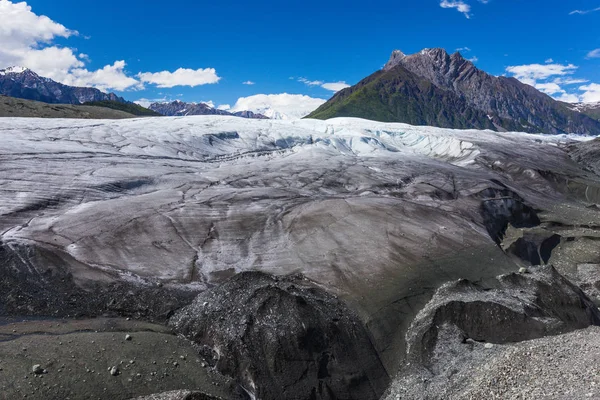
[(130, 108)]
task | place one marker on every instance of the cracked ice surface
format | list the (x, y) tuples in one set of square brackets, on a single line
[(378, 213)]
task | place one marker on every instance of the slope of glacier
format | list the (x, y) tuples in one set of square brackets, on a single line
[(380, 214)]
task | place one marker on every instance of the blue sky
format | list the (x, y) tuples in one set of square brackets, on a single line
[(268, 42)]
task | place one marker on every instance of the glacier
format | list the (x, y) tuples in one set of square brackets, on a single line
[(379, 214)]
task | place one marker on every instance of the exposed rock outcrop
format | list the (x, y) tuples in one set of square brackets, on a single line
[(284, 338), (447, 336)]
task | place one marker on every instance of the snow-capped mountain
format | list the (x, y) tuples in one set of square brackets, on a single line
[(24, 83), (282, 106), (179, 108), (590, 109)]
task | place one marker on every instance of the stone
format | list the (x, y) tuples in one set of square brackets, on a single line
[(37, 369), (284, 318), (128, 337), (114, 371)]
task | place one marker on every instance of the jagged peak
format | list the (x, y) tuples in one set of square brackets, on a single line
[(15, 69), (435, 53), (394, 60)]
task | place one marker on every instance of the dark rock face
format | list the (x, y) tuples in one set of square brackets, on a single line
[(283, 338), (36, 282), (505, 97), (500, 208), (180, 108), (516, 307), (472, 95), (249, 114), (29, 85)]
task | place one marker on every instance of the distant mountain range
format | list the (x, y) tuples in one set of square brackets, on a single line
[(438, 89), (23, 83), (180, 108)]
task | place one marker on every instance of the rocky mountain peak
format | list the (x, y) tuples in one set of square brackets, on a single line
[(394, 60), (14, 70)]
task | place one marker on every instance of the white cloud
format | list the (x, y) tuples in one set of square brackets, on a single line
[(551, 78), (333, 86), (181, 77), (473, 59), (549, 88), (463, 49), (583, 12), (310, 83), (224, 107), (591, 93), (531, 73), (280, 106), (459, 5), (549, 61), (569, 81), (111, 77), (248, 83), (209, 103), (594, 54), (26, 40)]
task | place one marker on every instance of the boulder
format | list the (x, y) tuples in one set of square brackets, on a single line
[(284, 338)]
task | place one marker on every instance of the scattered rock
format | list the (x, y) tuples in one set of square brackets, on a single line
[(37, 369), (114, 371), (128, 337), (523, 270)]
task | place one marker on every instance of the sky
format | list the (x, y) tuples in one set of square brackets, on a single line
[(295, 53)]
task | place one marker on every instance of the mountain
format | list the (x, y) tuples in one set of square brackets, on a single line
[(592, 110), (250, 114), (438, 89), (13, 107), (23, 83), (130, 108), (180, 108)]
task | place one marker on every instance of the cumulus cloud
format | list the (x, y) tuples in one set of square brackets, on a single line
[(552, 79), (333, 86), (591, 93), (594, 54), (279, 106), (224, 107), (531, 73), (26, 39), (459, 5), (111, 77), (181, 77)]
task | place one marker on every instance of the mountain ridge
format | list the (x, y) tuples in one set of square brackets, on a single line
[(23, 83), (434, 87), (181, 108)]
